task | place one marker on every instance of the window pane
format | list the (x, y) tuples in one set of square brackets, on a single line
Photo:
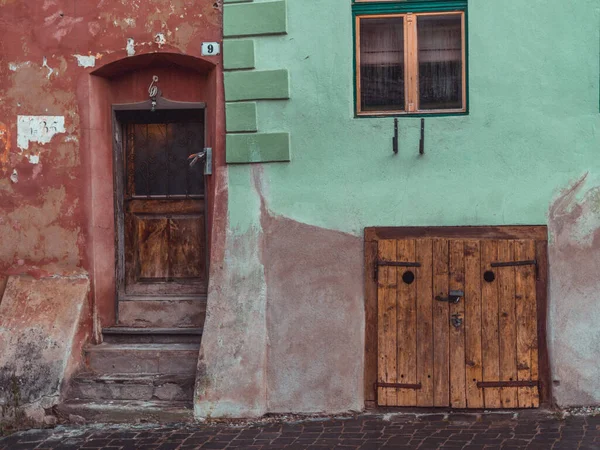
[(382, 64), (440, 61)]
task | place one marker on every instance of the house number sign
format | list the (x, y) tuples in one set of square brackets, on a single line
[(210, 48)]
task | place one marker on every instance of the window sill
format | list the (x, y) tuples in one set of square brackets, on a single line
[(417, 114)]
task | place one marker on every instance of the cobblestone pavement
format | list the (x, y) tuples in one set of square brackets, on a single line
[(391, 431)]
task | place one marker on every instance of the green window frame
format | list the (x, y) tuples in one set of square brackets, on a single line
[(406, 97)]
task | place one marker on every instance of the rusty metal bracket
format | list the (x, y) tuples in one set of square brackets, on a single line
[(377, 384), (380, 262), (422, 140), (395, 138), (529, 262), (501, 384)]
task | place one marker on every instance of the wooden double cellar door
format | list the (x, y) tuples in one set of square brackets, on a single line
[(457, 322)]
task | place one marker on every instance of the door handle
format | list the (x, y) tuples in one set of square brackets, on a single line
[(205, 155), (453, 297)]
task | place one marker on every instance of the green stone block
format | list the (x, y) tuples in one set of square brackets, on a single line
[(257, 147), (238, 54), (257, 85), (253, 19), (241, 117)]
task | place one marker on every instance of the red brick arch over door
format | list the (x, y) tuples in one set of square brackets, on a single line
[(456, 317)]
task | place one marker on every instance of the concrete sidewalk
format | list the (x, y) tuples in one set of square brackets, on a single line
[(515, 430)]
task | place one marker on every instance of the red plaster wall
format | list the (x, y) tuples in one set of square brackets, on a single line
[(57, 218)]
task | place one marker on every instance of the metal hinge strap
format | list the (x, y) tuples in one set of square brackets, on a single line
[(380, 262), (500, 384), (530, 262), (398, 385)]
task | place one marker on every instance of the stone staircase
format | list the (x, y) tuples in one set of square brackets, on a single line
[(136, 375)]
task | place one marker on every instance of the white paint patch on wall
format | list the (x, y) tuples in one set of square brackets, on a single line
[(130, 47), (14, 177), (16, 66), (160, 39), (40, 129), (34, 159), (86, 60), (50, 69)]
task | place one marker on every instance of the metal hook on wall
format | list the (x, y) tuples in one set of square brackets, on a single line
[(422, 141), (395, 138)]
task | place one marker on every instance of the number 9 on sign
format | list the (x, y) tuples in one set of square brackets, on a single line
[(210, 48)]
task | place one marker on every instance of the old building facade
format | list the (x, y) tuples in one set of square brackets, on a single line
[(395, 203)]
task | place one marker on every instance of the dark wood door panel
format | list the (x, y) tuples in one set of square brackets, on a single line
[(166, 254), (161, 206), (151, 239), (187, 258)]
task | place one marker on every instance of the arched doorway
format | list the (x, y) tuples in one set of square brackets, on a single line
[(150, 263)]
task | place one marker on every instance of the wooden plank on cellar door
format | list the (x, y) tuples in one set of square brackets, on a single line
[(536, 332), (507, 323), (424, 249), (458, 398), (489, 327), (407, 325), (441, 318), (474, 371), (525, 296), (386, 319)]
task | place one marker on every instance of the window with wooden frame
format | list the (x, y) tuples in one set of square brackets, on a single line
[(410, 57)]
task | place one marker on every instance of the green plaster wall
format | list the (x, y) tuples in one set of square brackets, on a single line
[(532, 128), (258, 147), (257, 85), (238, 54), (246, 19), (261, 20), (240, 117)]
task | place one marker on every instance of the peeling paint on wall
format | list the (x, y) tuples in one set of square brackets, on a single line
[(16, 66), (4, 146), (574, 254), (14, 177), (38, 324), (85, 60), (130, 47), (160, 39), (40, 129), (50, 69)]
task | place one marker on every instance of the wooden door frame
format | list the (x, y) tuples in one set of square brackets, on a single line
[(538, 233), (119, 183)]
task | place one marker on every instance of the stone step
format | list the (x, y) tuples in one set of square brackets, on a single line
[(91, 386), (128, 411), (179, 359), (173, 313), (134, 335)]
